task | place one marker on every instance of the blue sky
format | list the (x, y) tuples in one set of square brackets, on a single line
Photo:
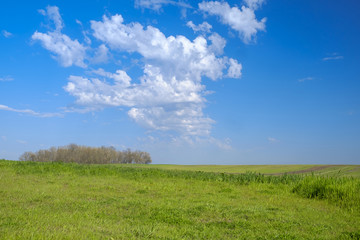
[(191, 82)]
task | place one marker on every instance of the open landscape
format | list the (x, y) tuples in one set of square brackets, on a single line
[(179, 119), (72, 201)]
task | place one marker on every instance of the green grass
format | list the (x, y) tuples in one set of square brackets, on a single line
[(330, 170), (72, 201), (266, 169)]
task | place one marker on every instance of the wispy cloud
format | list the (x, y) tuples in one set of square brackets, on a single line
[(6, 79), (222, 144), (82, 110), (30, 112), (334, 56), (6, 34), (188, 141), (4, 138), (306, 79), (67, 51), (158, 4), (351, 113), (272, 140), (21, 141)]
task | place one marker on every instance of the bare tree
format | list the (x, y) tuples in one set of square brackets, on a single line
[(84, 154)]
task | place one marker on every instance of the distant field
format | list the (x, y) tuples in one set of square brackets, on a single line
[(329, 170), (72, 201)]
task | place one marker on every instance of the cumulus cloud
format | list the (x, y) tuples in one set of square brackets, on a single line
[(187, 119), (154, 104), (67, 51), (157, 4), (177, 54), (30, 112), (241, 20), (203, 27), (170, 95), (6, 34)]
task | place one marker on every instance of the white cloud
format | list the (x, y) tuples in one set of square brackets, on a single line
[(6, 34), (306, 79), (203, 27), (120, 77), (42, 12), (187, 119), (155, 104), (21, 141), (30, 112), (235, 68), (223, 144), (218, 44), (4, 138), (78, 22), (67, 51), (6, 79), (350, 113), (272, 140), (254, 4), (334, 56), (170, 96), (85, 33), (52, 12), (242, 20), (101, 54), (177, 53), (157, 4)]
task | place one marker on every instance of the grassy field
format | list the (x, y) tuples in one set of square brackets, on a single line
[(328, 170), (71, 201)]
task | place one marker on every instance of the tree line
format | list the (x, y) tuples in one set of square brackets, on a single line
[(84, 154)]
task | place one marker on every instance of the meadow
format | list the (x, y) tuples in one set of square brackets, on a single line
[(327, 170), (72, 201)]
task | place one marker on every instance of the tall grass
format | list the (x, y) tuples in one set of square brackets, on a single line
[(138, 172), (343, 191)]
